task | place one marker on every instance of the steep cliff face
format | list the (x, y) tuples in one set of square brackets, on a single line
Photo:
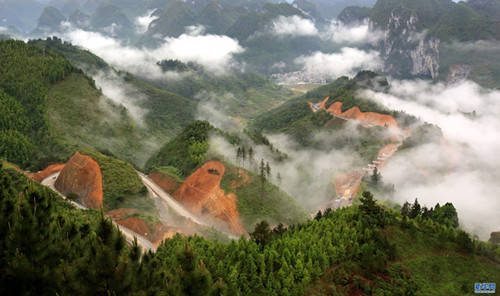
[(201, 194), (406, 50), (82, 175)]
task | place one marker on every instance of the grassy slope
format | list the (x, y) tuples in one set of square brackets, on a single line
[(254, 204)]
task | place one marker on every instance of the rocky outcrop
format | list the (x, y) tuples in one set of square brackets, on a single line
[(458, 73), (201, 194), (425, 57), (406, 50), (82, 175)]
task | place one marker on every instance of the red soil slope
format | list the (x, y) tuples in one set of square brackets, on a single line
[(82, 175), (370, 118), (51, 169), (201, 194), (166, 182)]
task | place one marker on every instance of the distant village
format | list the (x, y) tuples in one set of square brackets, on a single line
[(301, 77)]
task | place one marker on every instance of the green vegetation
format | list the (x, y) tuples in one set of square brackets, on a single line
[(259, 200), (26, 73), (49, 247), (424, 133), (353, 14), (120, 182), (186, 151), (77, 56), (171, 171), (355, 250), (429, 11), (243, 95)]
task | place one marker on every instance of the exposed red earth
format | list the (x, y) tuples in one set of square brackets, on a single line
[(201, 194), (166, 182), (82, 175), (51, 169)]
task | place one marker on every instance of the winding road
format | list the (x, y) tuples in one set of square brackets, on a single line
[(170, 202), (145, 244)]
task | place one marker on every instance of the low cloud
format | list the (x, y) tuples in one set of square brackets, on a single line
[(213, 52), (212, 108), (293, 26), (359, 33), (464, 167), (142, 22), (121, 93), (346, 62)]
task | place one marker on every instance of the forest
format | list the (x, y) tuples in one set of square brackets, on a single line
[(51, 248)]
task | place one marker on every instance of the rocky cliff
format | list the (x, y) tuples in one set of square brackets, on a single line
[(201, 194), (82, 175), (407, 50)]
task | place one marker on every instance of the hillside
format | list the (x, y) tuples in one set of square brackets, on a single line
[(297, 119), (360, 250), (26, 75), (76, 106), (258, 200), (185, 156)]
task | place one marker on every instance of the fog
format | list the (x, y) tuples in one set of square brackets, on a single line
[(307, 174), (214, 52), (142, 22), (294, 26), (358, 33), (462, 168), (346, 62), (121, 93)]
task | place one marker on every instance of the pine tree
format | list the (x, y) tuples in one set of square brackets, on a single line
[(243, 155), (415, 209), (268, 171), (375, 178)]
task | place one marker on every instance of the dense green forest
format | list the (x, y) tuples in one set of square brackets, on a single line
[(49, 247), (26, 73)]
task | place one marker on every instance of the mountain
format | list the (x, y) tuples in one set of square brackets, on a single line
[(171, 23), (365, 249), (50, 21), (70, 6), (330, 9), (354, 14), (79, 19), (110, 20), (190, 149), (467, 23), (217, 17), (21, 14), (66, 105), (427, 38)]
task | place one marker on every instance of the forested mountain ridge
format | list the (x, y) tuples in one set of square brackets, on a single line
[(365, 250), (427, 38), (72, 105)]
